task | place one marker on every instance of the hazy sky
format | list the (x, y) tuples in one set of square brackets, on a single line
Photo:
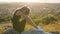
[(41, 1)]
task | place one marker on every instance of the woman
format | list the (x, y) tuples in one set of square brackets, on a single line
[(20, 25)]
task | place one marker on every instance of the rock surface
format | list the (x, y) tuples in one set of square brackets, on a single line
[(10, 31), (35, 31)]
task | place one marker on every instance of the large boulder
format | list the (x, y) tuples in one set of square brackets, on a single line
[(30, 31)]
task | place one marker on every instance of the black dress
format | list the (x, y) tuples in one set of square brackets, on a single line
[(18, 25)]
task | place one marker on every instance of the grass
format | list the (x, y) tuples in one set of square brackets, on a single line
[(50, 27), (1, 29)]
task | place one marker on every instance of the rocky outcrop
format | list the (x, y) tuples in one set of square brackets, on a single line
[(12, 31)]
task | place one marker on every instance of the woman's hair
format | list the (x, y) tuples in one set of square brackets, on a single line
[(25, 10)]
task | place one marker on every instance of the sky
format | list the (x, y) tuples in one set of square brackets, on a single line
[(38, 1)]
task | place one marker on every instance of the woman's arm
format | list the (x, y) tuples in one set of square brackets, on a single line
[(30, 21)]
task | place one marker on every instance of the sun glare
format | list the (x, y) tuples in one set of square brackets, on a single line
[(19, 0), (30, 0), (42, 1)]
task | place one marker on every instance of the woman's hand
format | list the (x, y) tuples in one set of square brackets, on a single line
[(38, 29)]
